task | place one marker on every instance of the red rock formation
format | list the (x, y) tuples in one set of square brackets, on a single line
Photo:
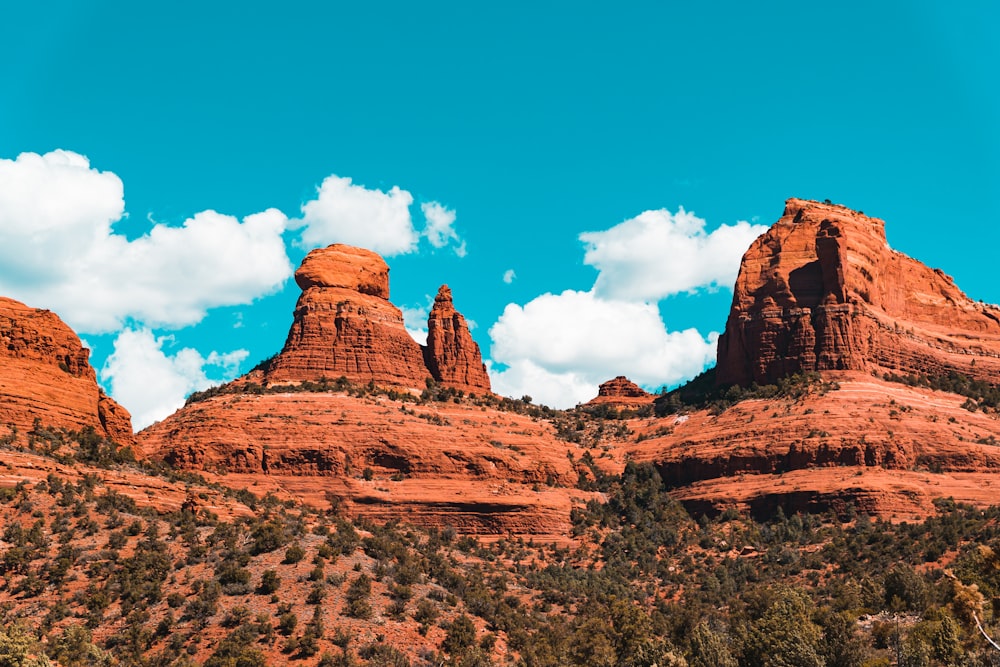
[(622, 392), (345, 326), (45, 374), (452, 356), (822, 290)]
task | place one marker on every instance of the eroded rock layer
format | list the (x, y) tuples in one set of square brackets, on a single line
[(45, 374), (886, 448), (821, 290), (436, 464)]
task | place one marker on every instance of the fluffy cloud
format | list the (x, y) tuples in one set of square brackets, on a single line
[(153, 384), (415, 321), (657, 254), (58, 250), (346, 213), (440, 228), (559, 347), (508, 276)]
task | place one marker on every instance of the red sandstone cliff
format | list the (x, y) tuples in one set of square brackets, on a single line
[(822, 290), (45, 374)]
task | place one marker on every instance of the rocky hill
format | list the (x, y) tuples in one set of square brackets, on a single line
[(45, 375), (354, 412), (868, 380)]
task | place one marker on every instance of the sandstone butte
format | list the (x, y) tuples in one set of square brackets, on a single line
[(822, 291), (376, 455), (45, 374), (345, 326), (620, 392)]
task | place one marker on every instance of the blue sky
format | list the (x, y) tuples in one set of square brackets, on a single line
[(530, 125)]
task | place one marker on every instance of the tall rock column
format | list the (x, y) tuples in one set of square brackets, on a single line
[(452, 357)]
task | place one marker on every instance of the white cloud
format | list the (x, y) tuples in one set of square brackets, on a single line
[(440, 228), (657, 254), (559, 347), (415, 321), (508, 276), (153, 384), (346, 213), (58, 250)]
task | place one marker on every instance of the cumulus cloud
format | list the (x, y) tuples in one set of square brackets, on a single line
[(657, 254), (415, 321), (347, 213), (58, 250), (559, 347), (508, 276), (440, 228), (153, 384)]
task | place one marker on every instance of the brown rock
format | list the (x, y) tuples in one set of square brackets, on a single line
[(621, 391), (45, 374), (452, 356), (821, 290)]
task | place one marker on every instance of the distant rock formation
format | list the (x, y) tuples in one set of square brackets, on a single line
[(45, 373), (821, 290), (622, 392), (452, 357), (345, 326)]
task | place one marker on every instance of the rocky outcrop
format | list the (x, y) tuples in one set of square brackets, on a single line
[(621, 392), (345, 326), (451, 355), (886, 447), (45, 374), (821, 290), (432, 464)]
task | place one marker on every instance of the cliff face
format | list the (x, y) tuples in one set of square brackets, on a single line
[(821, 290), (344, 325), (45, 374)]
